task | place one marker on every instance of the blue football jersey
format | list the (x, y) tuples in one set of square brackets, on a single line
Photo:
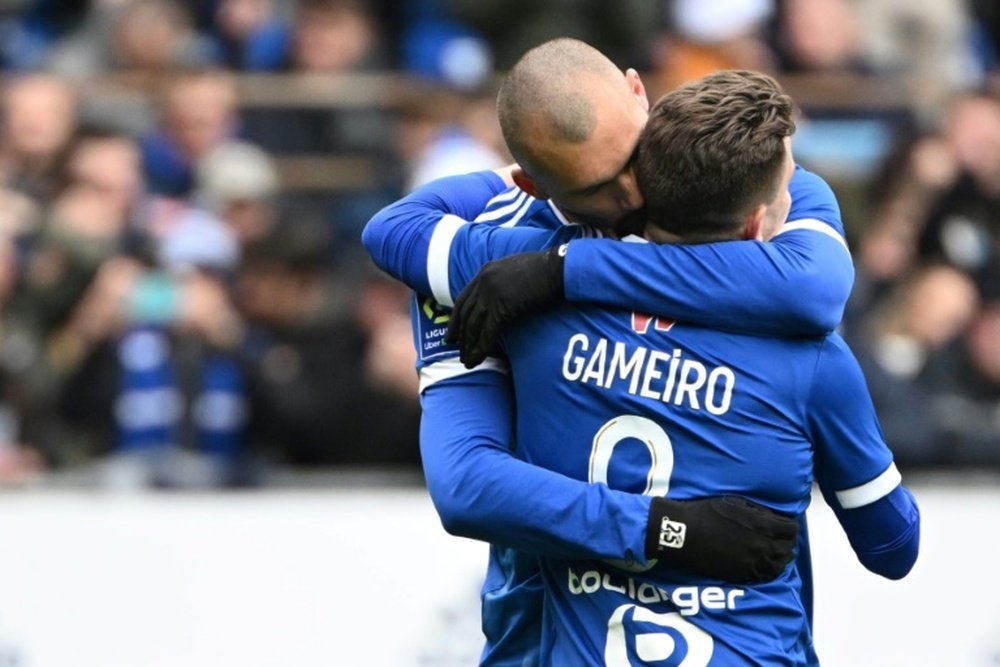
[(656, 407), (814, 210)]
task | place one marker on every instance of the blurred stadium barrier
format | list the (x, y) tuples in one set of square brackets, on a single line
[(361, 576)]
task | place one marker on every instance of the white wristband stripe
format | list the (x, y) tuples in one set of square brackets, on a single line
[(438, 252), (869, 492)]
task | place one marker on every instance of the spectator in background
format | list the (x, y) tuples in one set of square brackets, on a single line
[(447, 122), (164, 397), (39, 115), (76, 270), (20, 461), (89, 221), (939, 206), (928, 44), (197, 113), (703, 36), (924, 46), (900, 344), (443, 132), (985, 16), (250, 36), (155, 37), (160, 392), (238, 182), (316, 398), (329, 37), (333, 36), (141, 39), (969, 388), (963, 224), (904, 193), (944, 202), (27, 39), (818, 36), (434, 47), (179, 405)]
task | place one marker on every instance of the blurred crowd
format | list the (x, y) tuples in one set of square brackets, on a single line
[(183, 297)]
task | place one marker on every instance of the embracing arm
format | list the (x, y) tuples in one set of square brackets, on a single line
[(482, 491), (796, 284), (399, 237), (791, 286), (855, 469), (426, 241)]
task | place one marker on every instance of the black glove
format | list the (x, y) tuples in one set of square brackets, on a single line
[(504, 290), (727, 538)]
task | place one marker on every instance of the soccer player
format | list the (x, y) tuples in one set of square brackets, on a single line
[(478, 488), (715, 411)]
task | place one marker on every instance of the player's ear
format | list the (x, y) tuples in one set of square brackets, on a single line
[(528, 184), (637, 87), (753, 224)]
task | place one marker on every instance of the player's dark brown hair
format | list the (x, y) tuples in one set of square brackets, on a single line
[(711, 151)]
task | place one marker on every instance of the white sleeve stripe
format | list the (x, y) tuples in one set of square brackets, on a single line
[(449, 368), (816, 226), (438, 252), (871, 491), (506, 195), (498, 213), (520, 214)]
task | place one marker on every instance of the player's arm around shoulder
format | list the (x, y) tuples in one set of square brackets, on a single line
[(399, 237), (796, 284)]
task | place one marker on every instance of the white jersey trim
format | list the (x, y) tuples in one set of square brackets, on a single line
[(507, 209), (871, 491), (507, 195), (453, 367), (438, 251), (586, 232), (816, 226), (520, 213), (559, 214)]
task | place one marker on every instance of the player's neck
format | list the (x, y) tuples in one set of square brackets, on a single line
[(656, 235)]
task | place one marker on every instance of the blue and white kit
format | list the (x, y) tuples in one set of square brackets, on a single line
[(725, 412)]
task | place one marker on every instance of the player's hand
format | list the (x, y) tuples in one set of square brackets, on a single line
[(504, 290), (727, 538)]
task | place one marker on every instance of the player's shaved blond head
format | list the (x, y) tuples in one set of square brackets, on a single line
[(571, 118), (550, 91)]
